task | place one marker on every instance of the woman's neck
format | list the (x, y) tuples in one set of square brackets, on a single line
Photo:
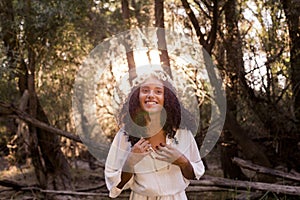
[(153, 124), (157, 139)]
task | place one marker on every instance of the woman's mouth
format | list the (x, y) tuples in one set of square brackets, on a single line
[(151, 102)]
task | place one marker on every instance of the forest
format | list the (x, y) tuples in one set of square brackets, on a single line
[(49, 150)]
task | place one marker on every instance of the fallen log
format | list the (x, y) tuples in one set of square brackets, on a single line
[(247, 195), (12, 184), (192, 188), (260, 169), (224, 182), (206, 184), (91, 188), (65, 192)]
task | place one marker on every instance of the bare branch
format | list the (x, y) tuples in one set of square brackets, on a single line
[(10, 109), (214, 27), (202, 9), (195, 23)]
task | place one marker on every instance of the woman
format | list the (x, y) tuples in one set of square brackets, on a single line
[(154, 154)]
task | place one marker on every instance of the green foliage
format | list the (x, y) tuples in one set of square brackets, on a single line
[(60, 33)]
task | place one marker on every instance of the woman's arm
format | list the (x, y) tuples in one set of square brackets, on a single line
[(138, 152), (185, 167), (125, 177)]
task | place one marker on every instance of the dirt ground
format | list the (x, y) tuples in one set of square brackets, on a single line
[(84, 177)]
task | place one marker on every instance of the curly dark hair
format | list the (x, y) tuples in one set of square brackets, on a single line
[(137, 116)]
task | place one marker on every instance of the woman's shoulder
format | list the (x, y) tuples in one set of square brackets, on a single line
[(183, 133), (121, 136)]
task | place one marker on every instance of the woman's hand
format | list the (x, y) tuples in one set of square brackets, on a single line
[(170, 154), (138, 152), (142, 146)]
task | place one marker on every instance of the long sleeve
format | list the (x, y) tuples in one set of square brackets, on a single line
[(116, 158), (191, 151)]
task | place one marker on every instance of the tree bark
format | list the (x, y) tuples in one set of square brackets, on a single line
[(234, 64), (161, 42), (127, 42), (126, 13), (291, 9)]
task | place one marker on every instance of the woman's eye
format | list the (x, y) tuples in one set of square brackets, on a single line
[(145, 90), (158, 92)]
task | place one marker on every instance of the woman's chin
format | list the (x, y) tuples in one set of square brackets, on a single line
[(146, 135), (153, 110)]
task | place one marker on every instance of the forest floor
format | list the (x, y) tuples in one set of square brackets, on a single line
[(84, 177)]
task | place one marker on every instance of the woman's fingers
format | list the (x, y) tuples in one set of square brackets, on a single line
[(167, 153), (141, 146), (164, 147), (163, 152), (141, 141), (145, 144)]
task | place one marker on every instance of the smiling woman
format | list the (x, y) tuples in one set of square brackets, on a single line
[(153, 149), (152, 95)]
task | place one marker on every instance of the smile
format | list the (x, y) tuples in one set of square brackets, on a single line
[(151, 102)]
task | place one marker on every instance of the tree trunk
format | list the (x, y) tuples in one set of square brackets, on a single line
[(234, 63), (235, 70), (291, 8), (36, 154), (50, 164), (47, 157), (129, 50), (162, 46)]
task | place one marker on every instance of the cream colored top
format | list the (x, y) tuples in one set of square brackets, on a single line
[(152, 177)]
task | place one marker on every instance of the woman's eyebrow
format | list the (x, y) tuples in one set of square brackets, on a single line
[(156, 86)]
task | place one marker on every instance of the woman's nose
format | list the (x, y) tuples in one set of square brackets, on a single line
[(151, 93)]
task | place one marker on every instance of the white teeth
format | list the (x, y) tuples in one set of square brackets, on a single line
[(151, 102)]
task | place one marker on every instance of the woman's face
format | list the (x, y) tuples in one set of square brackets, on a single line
[(152, 95)]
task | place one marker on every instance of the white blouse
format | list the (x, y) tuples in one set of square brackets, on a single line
[(152, 177)]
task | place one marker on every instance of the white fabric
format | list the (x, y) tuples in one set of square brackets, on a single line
[(152, 178), (137, 196)]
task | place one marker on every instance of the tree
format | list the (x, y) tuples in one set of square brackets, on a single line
[(291, 8), (129, 51), (34, 39), (229, 55), (161, 42)]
